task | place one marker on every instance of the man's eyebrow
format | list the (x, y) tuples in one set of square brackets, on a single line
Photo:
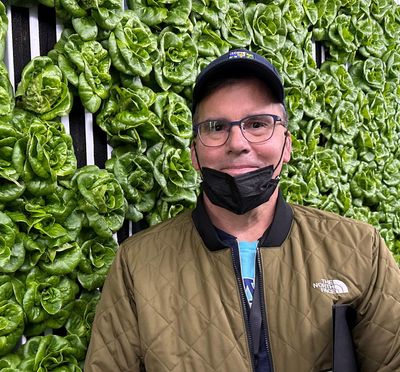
[(215, 119)]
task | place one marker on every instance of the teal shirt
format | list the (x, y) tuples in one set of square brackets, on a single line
[(247, 253)]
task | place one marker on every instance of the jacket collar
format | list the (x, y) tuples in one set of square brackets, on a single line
[(272, 237)]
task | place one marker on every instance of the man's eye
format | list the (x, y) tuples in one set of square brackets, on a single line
[(256, 124), (216, 126)]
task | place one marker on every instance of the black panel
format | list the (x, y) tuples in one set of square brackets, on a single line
[(21, 40), (99, 144), (138, 226), (318, 53), (47, 28), (77, 131), (123, 232)]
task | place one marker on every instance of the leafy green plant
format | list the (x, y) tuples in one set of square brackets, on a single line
[(101, 200), (86, 65), (171, 12), (44, 90), (175, 67), (50, 353), (97, 255), (210, 11), (267, 25), (80, 321), (12, 316), (48, 301), (208, 41), (6, 94), (127, 118), (12, 252), (175, 118), (3, 30), (11, 185), (132, 46), (234, 28), (173, 172), (43, 156), (134, 171)]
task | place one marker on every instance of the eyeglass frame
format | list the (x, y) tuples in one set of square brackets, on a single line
[(277, 120)]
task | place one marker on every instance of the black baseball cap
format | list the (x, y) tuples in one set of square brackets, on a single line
[(235, 63)]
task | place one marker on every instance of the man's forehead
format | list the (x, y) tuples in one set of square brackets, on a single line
[(250, 86)]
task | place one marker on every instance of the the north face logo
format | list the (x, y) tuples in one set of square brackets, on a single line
[(333, 286)]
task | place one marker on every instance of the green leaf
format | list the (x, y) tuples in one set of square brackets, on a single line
[(6, 90), (208, 41), (80, 321), (268, 26), (212, 12), (234, 28), (85, 27), (52, 352), (176, 117), (171, 12), (3, 30), (43, 89), (100, 198), (369, 75), (173, 170), (87, 66), (98, 255), (66, 259), (126, 117), (48, 300), (11, 325), (134, 171), (176, 65), (132, 46)]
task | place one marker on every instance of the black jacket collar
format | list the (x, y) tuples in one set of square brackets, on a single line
[(272, 237)]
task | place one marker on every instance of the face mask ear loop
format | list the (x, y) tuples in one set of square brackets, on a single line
[(283, 149), (197, 158)]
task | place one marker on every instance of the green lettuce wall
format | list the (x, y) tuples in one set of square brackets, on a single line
[(133, 65)]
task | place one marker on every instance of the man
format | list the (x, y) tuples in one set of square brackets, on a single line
[(247, 282)]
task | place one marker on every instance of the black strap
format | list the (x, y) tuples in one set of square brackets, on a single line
[(256, 316), (344, 356)]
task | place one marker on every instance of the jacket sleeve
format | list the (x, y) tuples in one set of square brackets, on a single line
[(377, 333), (114, 344)]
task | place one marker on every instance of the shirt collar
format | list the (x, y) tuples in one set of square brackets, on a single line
[(274, 236)]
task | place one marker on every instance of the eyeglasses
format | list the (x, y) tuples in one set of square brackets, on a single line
[(255, 128)]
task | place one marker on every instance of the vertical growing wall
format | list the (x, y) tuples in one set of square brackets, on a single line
[(95, 127)]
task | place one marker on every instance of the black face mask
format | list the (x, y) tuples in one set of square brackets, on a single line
[(242, 193)]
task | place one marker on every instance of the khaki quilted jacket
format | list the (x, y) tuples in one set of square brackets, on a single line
[(171, 301)]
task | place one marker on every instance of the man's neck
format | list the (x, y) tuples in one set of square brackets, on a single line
[(246, 227)]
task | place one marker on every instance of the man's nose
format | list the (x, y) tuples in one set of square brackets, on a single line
[(236, 139)]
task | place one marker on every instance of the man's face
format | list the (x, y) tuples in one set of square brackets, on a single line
[(234, 102)]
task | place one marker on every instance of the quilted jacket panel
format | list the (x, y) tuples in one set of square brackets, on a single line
[(300, 292), (174, 305)]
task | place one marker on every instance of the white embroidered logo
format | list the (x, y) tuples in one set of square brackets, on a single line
[(331, 286)]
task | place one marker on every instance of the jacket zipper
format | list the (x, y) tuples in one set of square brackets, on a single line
[(263, 309), (244, 308)]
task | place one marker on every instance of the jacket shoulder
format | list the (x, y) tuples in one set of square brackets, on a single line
[(306, 214), (327, 230), (169, 234)]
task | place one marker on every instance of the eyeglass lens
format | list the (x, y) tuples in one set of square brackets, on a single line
[(254, 128)]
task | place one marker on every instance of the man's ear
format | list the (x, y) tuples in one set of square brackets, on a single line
[(193, 154), (288, 147)]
